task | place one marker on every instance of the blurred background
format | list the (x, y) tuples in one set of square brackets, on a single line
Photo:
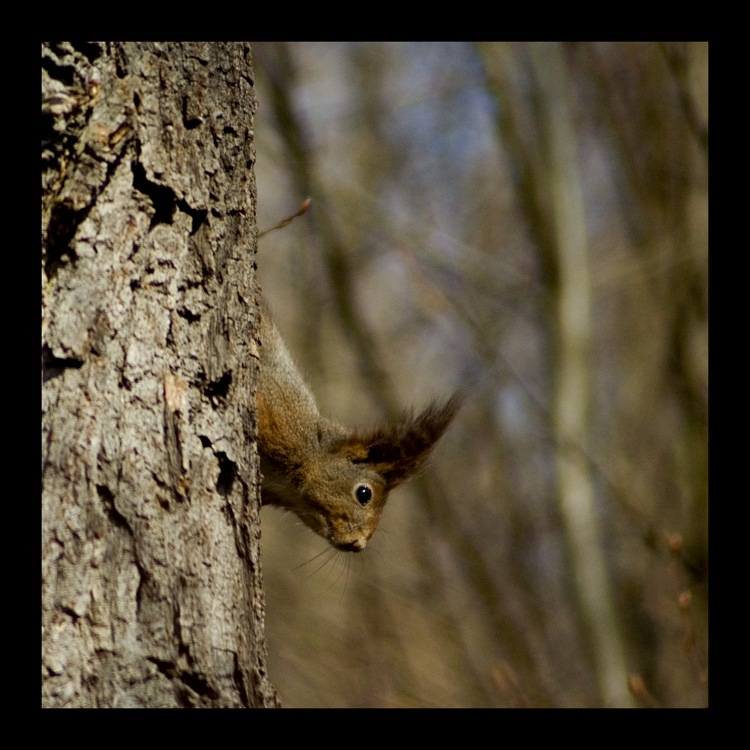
[(527, 222)]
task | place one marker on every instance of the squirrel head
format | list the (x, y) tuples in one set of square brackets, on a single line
[(339, 488)]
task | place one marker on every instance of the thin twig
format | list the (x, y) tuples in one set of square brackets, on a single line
[(302, 209)]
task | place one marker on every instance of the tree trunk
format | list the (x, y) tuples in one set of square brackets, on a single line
[(570, 298), (151, 581)]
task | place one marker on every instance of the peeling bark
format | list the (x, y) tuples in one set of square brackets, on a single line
[(151, 581)]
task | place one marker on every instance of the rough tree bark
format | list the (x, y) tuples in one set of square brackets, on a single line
[(151, 582)]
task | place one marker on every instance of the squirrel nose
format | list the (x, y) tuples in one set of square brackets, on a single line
[(356, 546)]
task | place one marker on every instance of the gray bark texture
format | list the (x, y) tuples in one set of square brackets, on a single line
[(151, 582)]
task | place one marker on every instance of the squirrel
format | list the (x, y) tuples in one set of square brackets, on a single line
[(335, 479)]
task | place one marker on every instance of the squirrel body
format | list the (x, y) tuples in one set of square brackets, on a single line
[(335, 479)]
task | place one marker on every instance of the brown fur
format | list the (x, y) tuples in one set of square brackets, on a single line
[(335, 479), (397, 451)]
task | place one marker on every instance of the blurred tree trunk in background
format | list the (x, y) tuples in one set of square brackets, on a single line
[(548, 151), (571, 398), (151, 581)]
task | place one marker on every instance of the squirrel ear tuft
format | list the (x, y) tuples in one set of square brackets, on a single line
[(397, 451)]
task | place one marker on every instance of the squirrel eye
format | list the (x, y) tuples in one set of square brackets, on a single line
[(363, 494)]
